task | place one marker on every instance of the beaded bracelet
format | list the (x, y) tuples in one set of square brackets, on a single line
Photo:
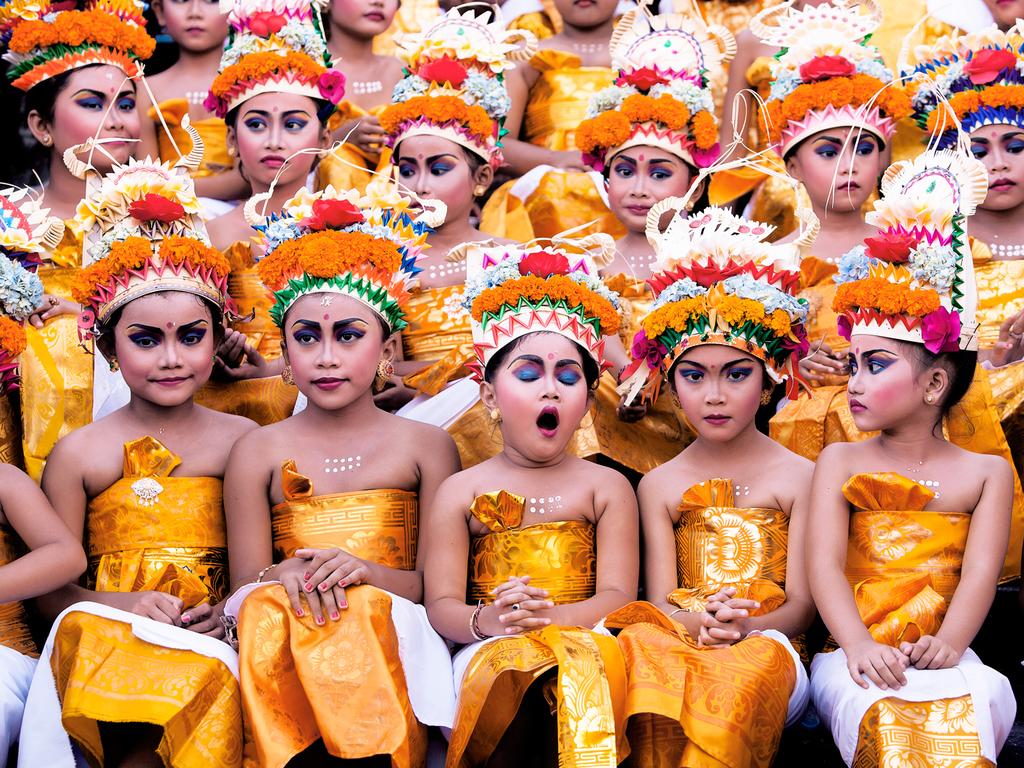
[(474, 622), (261, 574)]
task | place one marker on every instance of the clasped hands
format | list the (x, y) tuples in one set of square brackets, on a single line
[(884, 665), (517, 608), (321, 576)]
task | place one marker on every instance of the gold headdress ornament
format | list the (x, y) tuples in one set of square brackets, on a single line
[(45, 39), (359, 244), (455, 80), (914, 280), (26, 230), (827, 74), (142, 233), (660, 96), (274, 46), (544, 285)]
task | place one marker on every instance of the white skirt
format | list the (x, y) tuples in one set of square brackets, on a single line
[(15, 677)]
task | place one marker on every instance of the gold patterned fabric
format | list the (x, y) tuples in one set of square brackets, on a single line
[(939, 734), (56, 369), (379, 525), (721, 707), (252, 298), (346, 166), (589, 683), (14, 632), (903, 563), (265, 401), (412, 16), (557, 103), (150, 528), (559, 556), (10, 434), (342, 682), (151, 531), (438, 330), (212, 130)]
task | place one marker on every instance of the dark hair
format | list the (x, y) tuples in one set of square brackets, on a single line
[(591, 370), (42, 96), (958, 365), (105, 330)]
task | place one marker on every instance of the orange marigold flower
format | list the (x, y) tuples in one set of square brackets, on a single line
[(966, 102), (705, 132), (886, 297), (328, 254), (74, 28), (609, 129), (557, 288), (180, 250), (258, 66), (676, 315), (439, 110), (12, 337), (130, 253)]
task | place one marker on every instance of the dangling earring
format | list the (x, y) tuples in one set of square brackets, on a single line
[(385, 370), (766, 397), (114, 365), (287, 377), (495, 415)]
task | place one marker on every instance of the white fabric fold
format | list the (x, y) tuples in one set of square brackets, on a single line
[(15, 677)]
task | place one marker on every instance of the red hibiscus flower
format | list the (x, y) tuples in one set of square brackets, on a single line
[(986, 64), (266, 23), (643, 79), (153, 207), (332, 85), (941, 331), (824, 67), (333, 214), (444, 71), (893, 247), (544, 264), (651, 351)]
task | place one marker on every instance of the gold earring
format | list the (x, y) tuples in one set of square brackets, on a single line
[(114, 365), (495, 415), (47, 140), (929, 399), (478, 190), (385, 370), (287, 377), (231, 151), (766, 397)]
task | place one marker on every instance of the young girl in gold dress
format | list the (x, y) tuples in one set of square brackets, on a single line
[(141, 488), (530, 549), (69, 99), (326, 503), (911, 531), (37, 551), (724, 553)]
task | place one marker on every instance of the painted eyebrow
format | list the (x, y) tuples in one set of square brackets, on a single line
[(876, 352), (730, 364), (529, 359), (1011, 134), (182, 328), (336, 325), (567, 362), (431, 159), (831, 139), (266, 113)]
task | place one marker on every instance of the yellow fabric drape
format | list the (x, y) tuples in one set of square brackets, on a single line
[(56, 368), (561, 557), (212, 130), (903, 563), (438, 330), (14, 632), (412, 16), (342, 682), (253, 298), (346, 167), (10, 434), (151, 531)]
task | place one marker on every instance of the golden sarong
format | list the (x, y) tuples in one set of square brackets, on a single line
[(346, 167), (710, 707), (903, 563), (252, 298), (10, 434), (14, 632), (56, 368), (557, 104), (212, 130), (151, 531), (342, 682), (589, 673)]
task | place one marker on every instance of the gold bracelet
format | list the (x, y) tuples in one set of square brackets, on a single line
[(261, 574), (474, 622), (677, 610)]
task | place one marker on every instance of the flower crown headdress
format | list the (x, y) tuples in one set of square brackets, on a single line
[(45, 39), (717, 280), (544, 285), (274, 46), (142, 233), (26, 229), (827, 74), (914, 280), (360, 244), (967, 81), (455, 80), (661, 95)]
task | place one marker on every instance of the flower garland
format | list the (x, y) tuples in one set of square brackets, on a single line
[(75, 28), (440, 110), (967, 102), (888, 298), (328, 254), (12, 338), (837, 92), (257, 67), (555, 288), (614, 127), (735, 310)]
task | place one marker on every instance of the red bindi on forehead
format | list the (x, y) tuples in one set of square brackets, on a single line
[(551, 355), (326, 316), (170, 325), (642, 157)]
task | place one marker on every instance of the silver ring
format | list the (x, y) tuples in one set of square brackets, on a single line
[(515, 606)]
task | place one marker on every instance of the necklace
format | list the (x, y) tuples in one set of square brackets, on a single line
[(1007, 251), (588, 47), (363, 87), (195, 97)]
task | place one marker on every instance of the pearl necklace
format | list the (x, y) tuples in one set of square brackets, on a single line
[(196, 97), (589, 47), (1014, 251), (364, 87)]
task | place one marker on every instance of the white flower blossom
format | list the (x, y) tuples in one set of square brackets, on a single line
[(20, 290), (677, 291), (746, 287), (608, 99), (935, 265)]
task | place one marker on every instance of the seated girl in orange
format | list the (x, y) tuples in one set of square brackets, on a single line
[(355, 663), (27, 521), (199, 29), (545, 542), (910, 531), (142, 488), (723, 521)]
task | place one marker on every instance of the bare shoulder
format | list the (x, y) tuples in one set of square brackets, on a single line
[(984, 466), (783, 461), (605, 481), (229, 425)]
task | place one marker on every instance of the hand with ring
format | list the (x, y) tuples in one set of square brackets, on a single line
[(519, 607)]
